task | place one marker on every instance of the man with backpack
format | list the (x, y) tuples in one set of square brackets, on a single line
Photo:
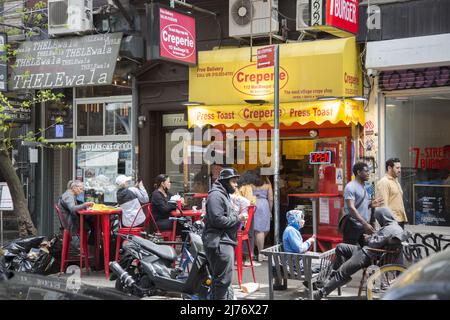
[(356, 207)]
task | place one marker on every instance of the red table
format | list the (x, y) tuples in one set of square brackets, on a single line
[(313, 197), (195, 214), (105, 227), (200, 195)]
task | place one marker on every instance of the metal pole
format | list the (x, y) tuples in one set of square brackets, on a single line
[(276, 142), (1, 227)]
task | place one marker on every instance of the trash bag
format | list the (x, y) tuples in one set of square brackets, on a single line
[(30, 255), (23, 245)]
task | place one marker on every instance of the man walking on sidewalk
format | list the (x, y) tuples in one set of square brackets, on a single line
[(357, 204), (391, 191)]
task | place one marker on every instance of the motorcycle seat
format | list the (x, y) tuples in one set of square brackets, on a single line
[(162, 251)]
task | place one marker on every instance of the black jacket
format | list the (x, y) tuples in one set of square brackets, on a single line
[(221, 219), (161, 207)]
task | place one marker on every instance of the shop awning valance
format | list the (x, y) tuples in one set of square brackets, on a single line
[(347, 111)]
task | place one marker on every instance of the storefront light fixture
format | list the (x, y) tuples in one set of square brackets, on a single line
[(256, 101), (192, 103)]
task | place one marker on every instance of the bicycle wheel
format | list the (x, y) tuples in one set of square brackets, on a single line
[(381, 280)]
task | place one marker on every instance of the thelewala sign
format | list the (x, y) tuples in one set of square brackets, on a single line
[(177, 36), (68, 62)]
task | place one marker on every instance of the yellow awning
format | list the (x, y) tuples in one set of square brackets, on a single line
[(308, 70), (347, 111)]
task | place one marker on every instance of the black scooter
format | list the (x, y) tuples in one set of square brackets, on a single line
[(146, 268)]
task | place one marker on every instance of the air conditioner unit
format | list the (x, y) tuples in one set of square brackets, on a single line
[(69, 17), (264, 21), (303, 15), (309, 14)]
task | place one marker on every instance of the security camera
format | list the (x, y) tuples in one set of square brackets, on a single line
[(372, 73)]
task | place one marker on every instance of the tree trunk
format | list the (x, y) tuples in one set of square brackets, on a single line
[(26, 226)]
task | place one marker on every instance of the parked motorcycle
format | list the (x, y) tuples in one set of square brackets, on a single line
[(146, 268)]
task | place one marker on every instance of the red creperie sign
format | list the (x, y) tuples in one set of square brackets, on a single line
[(342, 14), (177, 36), (265, 57)]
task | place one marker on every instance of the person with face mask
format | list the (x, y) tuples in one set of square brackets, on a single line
[(219, 237), (351, 258), (292, 238)]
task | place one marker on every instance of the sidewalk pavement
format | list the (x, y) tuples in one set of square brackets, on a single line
[(295, 290)]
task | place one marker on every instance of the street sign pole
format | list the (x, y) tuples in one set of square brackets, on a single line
[(276, 149)]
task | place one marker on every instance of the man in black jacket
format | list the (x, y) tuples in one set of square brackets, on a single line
[(220, 234)]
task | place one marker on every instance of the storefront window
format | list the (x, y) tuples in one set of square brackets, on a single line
[(59, 110), (90, 119), (118, 118), (417, 133), (98, 165)]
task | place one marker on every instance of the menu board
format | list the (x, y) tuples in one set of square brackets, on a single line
[(432, 205)]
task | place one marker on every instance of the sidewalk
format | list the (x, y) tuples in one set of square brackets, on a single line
[(295, 290)]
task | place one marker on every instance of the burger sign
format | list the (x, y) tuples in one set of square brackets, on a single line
[(177, 36)]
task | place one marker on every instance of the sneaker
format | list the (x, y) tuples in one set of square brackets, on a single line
[(262, 257), (255, 264)]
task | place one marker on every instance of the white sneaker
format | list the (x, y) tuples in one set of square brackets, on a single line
[(262, 257)]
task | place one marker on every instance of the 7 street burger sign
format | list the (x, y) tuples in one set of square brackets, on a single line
[(343, 14)]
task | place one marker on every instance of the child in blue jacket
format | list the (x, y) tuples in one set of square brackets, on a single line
[(292, 238)]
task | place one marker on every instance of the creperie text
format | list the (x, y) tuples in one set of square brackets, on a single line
[(242, 76)]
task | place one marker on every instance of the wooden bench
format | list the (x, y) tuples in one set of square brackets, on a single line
[(283, 266)]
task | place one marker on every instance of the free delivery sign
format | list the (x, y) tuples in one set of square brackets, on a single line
[(177, 37)]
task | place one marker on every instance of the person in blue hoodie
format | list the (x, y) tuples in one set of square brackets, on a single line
[(292, 238)]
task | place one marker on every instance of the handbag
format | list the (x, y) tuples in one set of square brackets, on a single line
[(344, 217)]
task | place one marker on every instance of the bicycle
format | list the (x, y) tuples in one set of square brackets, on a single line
[(384, 272)]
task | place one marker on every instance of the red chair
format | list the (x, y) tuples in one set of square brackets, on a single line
[(243, 235), (136, 231), (168, 235), (66, 243)]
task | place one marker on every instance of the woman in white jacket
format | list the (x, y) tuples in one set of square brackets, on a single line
[(130, 200)]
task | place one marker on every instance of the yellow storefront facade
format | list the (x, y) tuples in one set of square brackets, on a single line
[(319, 82)]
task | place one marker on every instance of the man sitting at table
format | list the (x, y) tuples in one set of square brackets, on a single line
[(130, 200), (69, 206)]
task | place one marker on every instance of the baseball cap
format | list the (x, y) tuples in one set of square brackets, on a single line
[(122, 179)]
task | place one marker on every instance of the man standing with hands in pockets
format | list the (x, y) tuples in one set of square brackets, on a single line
[(357, 204), (219, 237)]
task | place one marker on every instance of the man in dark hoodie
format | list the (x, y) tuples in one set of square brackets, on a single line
[(222, 220), (351, 258)]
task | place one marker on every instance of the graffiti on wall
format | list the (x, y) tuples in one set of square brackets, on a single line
[(425, 244)]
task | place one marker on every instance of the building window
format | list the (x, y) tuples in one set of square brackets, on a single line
[(98, 165), (90, 119), (103, 119), (417, 133), (62, 110)]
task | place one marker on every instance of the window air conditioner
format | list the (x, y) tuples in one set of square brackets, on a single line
[(241, 23), (69, 17), (309, 14)]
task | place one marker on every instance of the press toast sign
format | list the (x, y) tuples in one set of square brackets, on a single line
[(69, 62)]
